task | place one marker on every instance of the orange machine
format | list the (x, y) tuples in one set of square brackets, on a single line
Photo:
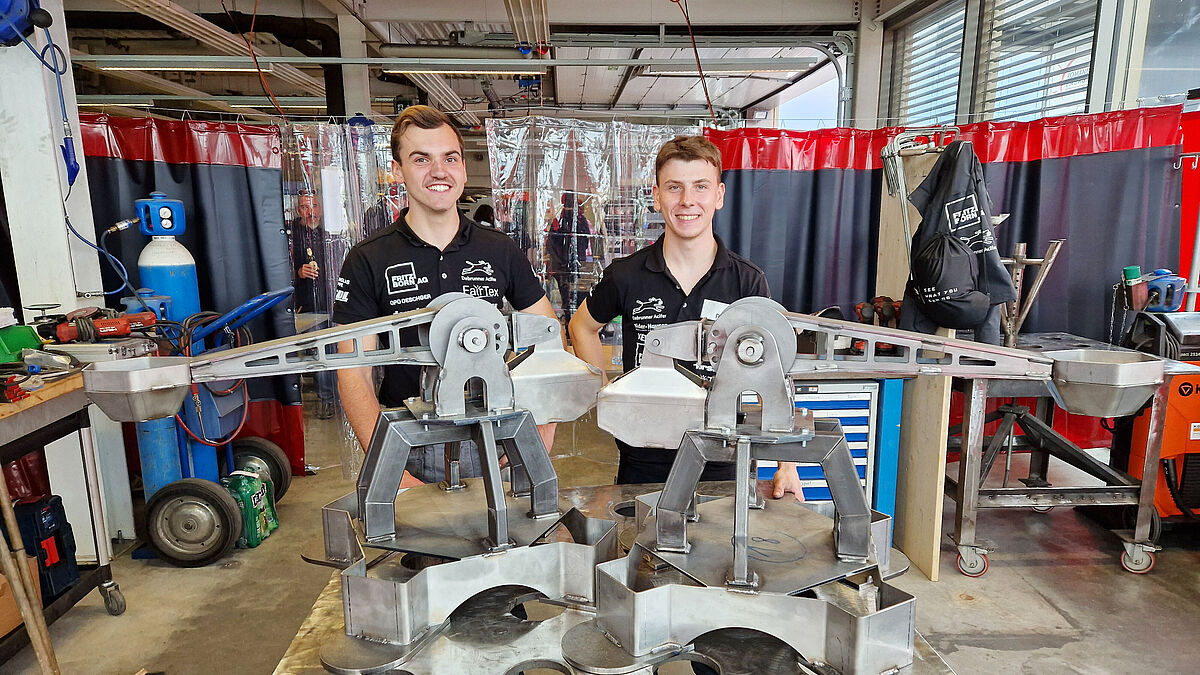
[(1179, 462), (1174, 335)]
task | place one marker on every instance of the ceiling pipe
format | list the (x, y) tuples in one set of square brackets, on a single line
[(398, 50)]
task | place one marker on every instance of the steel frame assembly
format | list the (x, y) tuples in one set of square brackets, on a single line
[(697, 565), (673, 588)]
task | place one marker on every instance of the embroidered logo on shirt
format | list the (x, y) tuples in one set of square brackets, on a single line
[(650, 305), (402, 278), (482, 267)]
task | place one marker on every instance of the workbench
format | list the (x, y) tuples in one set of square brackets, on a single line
[(1116, 488), (470, 644), (48, 414)]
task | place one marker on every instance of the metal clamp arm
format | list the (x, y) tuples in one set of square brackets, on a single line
[(299, 354)]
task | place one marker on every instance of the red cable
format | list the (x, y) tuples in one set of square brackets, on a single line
[(238, 430), (261, 77), (703, 82)]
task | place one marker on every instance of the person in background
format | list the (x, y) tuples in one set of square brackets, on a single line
[(485, 216), (429, 250), (568, 248), (669, 281), (312, 293)]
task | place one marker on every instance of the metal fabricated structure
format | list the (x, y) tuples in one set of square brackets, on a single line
[(786, 572), (815, 581)]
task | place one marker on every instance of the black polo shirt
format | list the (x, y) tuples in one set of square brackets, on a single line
[(640, 289), (395, 271)]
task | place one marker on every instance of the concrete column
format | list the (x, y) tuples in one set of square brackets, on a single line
[(352, 35), (51, 263), (868, 75)]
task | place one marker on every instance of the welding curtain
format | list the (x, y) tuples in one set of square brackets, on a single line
[(228, 177), (805, 206)]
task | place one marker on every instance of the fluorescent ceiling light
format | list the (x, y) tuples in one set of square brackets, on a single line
[(266, 68), (713, 72), (301, 106), (114, 105), (411, 71)]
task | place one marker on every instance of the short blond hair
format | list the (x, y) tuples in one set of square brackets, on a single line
[(422, 117), (688, 149)]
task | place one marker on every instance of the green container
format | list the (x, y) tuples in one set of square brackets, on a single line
[(15, 338), (255, 498)]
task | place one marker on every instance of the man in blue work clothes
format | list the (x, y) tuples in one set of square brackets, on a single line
[(431, 249)]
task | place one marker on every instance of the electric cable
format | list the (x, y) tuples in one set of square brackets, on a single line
[(232, 435), (242, 335), (703, 83), (262, 78)]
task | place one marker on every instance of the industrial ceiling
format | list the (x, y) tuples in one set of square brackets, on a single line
[(473, 58)]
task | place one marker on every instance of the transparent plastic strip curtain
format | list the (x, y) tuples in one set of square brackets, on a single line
[(338, 190), (575, 195)]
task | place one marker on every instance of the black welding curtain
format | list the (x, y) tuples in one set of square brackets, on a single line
[(1113, 208), (234, 209), (804, 206), (814, 233)]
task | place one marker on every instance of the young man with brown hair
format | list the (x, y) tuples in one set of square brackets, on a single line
[(431, 249), (668, 282)]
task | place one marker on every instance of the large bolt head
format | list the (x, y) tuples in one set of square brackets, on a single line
[(473, 340), (750, 350)]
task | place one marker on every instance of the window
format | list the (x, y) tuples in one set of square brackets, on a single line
[(1034, 58), (927, 53)]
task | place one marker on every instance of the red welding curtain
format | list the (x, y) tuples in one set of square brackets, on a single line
[(804, 205), (229, 178)]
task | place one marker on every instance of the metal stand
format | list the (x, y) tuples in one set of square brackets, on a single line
[(975, 463)]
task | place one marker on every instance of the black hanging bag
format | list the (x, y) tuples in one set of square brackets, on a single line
[(943, 282)]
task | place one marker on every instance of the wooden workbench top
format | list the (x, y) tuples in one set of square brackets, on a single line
[(53, 389)]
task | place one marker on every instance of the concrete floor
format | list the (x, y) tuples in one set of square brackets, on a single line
[(1054, 601)]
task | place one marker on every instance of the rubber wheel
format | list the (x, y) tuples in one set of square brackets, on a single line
[(192, 522), (114, 601), (1142, 568), (264, 458), (975, 571)]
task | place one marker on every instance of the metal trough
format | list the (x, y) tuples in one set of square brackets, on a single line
[(136, 390), (1104, 382)]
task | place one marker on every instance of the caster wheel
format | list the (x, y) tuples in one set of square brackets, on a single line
[(114, 600), (192, 522), (1043, 509), (976, 567), (1142, 566), (262, 457)]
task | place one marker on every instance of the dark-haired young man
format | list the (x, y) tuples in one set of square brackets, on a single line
[(428, 251), (668, 282)]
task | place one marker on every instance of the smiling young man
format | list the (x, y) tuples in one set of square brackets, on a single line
[(668, 282), (431, 249)]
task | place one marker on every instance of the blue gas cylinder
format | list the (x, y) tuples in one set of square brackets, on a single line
[(166, 266)]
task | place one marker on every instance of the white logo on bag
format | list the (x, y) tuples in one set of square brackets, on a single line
[(402, 278), (482, 267), (966, 223), (650, 305)]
